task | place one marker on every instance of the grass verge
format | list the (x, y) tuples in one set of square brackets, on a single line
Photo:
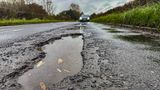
[(23, 21), (145, 16)]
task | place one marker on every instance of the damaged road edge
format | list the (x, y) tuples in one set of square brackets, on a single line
[(9, 80)]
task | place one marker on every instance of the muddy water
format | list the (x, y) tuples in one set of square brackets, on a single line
[(63, 58)]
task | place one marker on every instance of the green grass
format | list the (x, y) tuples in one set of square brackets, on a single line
[(23, 21), (148, 16)]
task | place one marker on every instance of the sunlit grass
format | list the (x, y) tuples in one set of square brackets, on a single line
[(141, 16), (4, 22)]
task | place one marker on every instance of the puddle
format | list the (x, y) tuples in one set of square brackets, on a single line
[(153, 48), (148, 42), (115, 31), (135, 38), (74, 28), (110, 29), (141, 39), (63, 58), (77, 27), (157, 61), (119, 30)]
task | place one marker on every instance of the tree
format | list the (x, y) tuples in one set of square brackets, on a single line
[(49, 6), (36, 10), (93, 15), (19, 9), (74, 12), (75, 7), (32, 11), (69, 15), (29, 1)]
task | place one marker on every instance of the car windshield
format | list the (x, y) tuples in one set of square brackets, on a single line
[(85, 16)]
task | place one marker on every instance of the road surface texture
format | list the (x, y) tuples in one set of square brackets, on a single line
[(78, 56), (9, 34)]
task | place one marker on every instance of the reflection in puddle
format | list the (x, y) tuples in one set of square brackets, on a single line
[(82, 28), (153, 48), (153, 42), (77, 27), (63, 58), (109, 29), (148, 42), (115, 31), (74, 28), (157, 61), (136, 38)]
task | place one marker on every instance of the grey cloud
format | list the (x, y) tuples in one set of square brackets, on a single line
[(88, 6)]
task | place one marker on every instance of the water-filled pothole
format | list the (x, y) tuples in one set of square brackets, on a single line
[(143, 39), (63, 58)]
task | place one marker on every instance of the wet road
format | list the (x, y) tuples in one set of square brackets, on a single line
[(10, 33), (103, 58), (132, 57)]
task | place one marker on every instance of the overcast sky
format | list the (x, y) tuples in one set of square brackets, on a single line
[(88, 6)]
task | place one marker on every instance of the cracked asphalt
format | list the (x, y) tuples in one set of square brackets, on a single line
[(113, 58)]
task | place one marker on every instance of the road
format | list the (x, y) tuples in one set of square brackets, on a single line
[(72, 56), (10, 33)]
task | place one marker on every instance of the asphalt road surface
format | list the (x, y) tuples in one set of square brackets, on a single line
[(10, 33), (78, 56)]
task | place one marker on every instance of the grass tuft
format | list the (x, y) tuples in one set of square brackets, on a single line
[(148, 16)]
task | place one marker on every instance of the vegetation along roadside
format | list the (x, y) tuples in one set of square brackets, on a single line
[(145, 16)]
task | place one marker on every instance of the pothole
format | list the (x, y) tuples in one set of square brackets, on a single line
[(63, 58), (78, 27)]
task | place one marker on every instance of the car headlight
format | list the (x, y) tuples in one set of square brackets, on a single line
[(80, 18)]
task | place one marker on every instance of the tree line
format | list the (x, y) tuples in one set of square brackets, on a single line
[(27, 9)]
